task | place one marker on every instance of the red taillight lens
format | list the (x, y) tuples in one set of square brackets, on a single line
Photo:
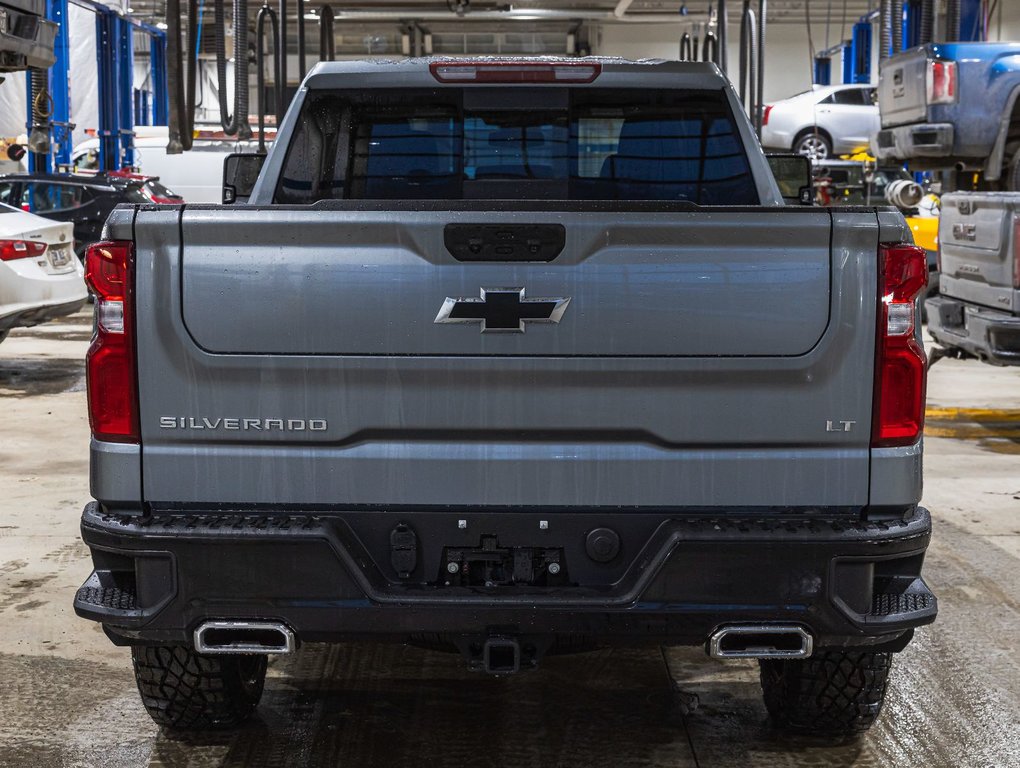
[(110, 363), (514, 72), (941, 82), (1016, 254), (900, 364), (765, 116), (20, 249)]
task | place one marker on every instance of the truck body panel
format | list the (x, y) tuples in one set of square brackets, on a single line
[(647, 411)]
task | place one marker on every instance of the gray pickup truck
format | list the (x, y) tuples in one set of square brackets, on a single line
[(509, 357), (978, 311)]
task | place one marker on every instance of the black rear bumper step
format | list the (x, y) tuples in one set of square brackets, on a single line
[(331, 576)]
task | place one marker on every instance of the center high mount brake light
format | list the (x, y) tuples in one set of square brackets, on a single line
[(514, 72)]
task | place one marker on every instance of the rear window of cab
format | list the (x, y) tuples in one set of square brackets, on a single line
[(519, 143)]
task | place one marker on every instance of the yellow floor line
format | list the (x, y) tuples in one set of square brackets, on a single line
[(998, 415), (971, 433)]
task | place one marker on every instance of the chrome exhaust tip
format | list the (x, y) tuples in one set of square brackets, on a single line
[(262, 637), (760, 641)]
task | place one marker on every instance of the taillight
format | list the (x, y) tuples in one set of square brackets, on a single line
[(514, 72), (110, 362), (941, 82), (765, 116), (20, 249), (900, 364), (1016, 253)]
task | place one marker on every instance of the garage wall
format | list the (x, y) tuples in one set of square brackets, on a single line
[(787, 54), (787, 63)]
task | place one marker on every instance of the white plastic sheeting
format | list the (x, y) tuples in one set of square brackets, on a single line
[(13, 105), (84, 75)]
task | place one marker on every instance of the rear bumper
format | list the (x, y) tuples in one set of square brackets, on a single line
[(332, 576), (33, 315), (988, 334), (914, 141)]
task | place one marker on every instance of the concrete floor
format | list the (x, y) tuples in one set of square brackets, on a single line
[(67, 696)]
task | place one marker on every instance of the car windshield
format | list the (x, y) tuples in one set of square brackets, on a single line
[(518, 143)]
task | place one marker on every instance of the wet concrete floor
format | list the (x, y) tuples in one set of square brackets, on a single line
[(67, 696)]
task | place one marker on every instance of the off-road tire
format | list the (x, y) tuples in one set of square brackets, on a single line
[(1011, 173), (185, 690), (834, 694)]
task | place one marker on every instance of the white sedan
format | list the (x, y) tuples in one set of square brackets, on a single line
[(40, 277), (828, 120)]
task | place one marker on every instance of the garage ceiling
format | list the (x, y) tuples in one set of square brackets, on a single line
[(840, 12)]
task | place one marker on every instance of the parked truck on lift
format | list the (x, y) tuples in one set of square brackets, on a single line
[(510, 357), (953, 106)]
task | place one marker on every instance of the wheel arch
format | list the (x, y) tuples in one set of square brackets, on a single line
[(1009, 128)]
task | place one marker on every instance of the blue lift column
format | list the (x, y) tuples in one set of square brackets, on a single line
[(157, 63), (859, 58), (125, 89), (911, 23), (60, 87), (823, 70), (59, 125), (107, 41), (972, 22)]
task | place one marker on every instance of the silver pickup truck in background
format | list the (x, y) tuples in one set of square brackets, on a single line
[(511, 357), (977, 313)]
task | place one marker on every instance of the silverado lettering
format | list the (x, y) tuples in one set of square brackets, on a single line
[(286, 425)]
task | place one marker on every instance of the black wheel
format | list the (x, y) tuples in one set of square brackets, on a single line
[(182, 689), (813, 144), (834, 693), (1011, 175)]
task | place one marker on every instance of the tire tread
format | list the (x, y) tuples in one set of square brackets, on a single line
[(833, 693), (185, 690)]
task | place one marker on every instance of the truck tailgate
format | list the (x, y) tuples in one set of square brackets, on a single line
[(713, 357), (977, 242), (371, 283), (902, 88)]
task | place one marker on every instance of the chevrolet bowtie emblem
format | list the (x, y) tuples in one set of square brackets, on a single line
[(503, 310)]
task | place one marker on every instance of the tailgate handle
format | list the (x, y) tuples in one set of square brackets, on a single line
[(504, 242)]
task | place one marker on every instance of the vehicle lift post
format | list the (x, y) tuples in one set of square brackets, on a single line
[(115, 59), (59, 125)]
